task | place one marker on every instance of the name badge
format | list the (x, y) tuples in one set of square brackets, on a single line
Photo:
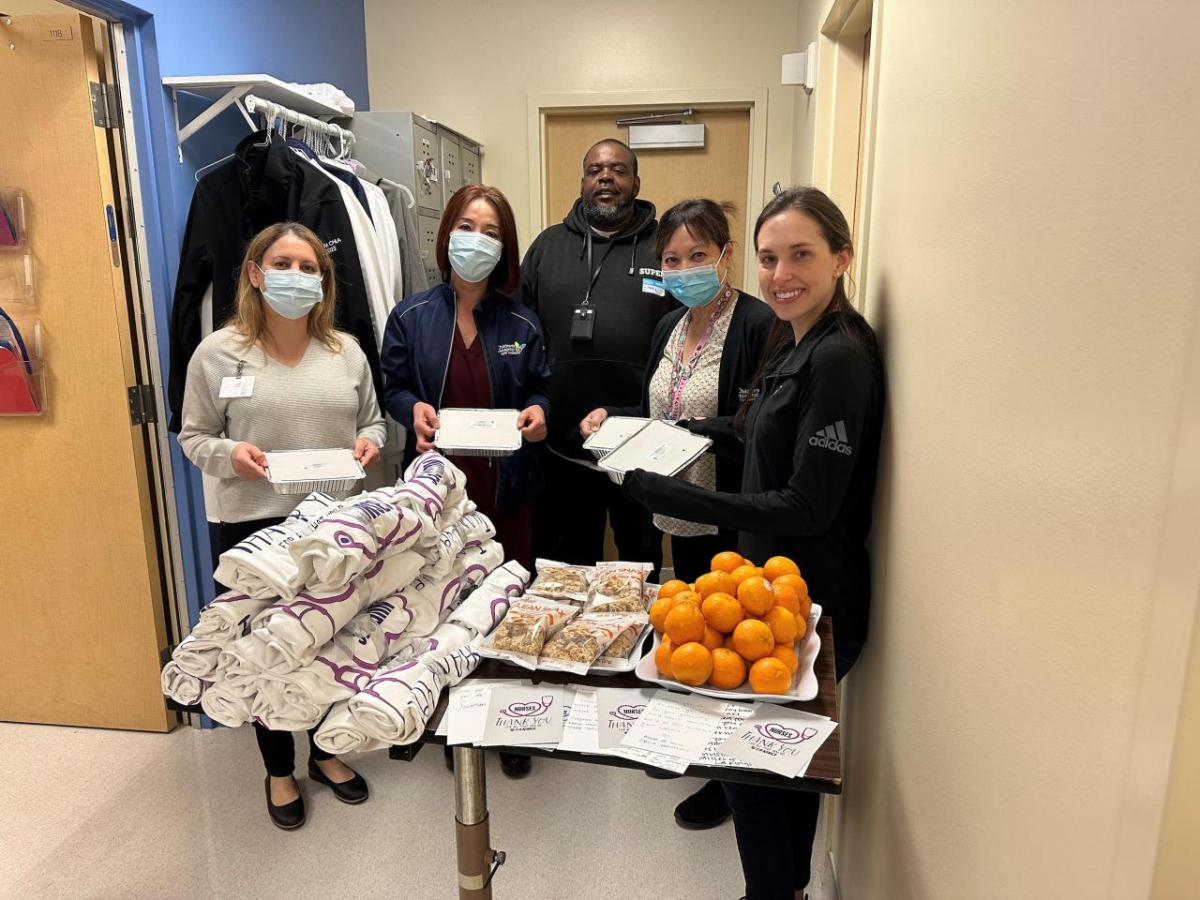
[(240, 386), (653, 286)]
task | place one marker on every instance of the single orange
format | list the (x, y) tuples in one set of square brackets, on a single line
[(742, 572), (687, 594), (692, 663), (722, 611), (662, 658), (658, 612), (805, 608), (672, 587), (769, 676), (728, 670), (684, 623), (779, 565), (797, 583), (783, 625), (727, 561), (785, 596), (712, 638), (753, 640), (756, 595), (715, 582), (785, 654)]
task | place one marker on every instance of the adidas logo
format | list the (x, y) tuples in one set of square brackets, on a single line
[(832, 437)]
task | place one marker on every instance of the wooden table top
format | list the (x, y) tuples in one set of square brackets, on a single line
[(824, 773)]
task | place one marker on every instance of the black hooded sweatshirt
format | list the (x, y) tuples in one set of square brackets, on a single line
[(628, 299)]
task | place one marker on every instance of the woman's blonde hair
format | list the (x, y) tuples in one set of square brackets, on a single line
[(248, 318)]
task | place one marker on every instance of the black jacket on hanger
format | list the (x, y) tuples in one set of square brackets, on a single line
[(263, 183)]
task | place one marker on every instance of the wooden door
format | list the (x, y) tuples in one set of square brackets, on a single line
[(80, 584), (719, 171)]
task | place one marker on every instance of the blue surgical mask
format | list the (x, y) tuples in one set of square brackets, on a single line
[(694, 287), (473, 255), (291, 293)]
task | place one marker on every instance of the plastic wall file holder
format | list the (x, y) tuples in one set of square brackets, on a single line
[(22, 369), (12, 219)]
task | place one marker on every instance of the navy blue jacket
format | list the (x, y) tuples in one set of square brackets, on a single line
[(416, 358)]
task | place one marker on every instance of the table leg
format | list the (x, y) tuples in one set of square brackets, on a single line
[(471, 835)]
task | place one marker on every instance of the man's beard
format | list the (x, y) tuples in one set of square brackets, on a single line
[(606, 216)]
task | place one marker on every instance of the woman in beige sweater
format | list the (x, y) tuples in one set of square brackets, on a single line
[(278, 377)]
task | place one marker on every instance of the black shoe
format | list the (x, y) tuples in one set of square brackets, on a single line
[(290, 816), (514, 765), (352, 791), (706, 808)]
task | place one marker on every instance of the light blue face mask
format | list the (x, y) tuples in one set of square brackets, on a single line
[(290, 292), (694, 287), (473, 255)]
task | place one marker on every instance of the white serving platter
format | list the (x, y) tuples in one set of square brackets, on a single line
[(804, 682)]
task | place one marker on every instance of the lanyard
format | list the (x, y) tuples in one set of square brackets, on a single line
[(682, 372), (596, 273)]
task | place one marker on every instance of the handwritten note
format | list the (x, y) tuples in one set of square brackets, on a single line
[(579, 730), (732, 717), (677, 725), (466, 712), (778, 739)]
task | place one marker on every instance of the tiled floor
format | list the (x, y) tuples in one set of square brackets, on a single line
[(93, 814)]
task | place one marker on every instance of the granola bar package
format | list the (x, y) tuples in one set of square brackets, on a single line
[(624, 644), (584, 639), (524, 630), (618, 587), (559, 581)]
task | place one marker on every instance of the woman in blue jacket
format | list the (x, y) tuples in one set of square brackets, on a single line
[(809, 439), (466, 344)]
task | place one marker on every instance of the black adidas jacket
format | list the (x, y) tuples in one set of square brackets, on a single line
[(628, 298), (744, 345), (806, 492), (264, 183)]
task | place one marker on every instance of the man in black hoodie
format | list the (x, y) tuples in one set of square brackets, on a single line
[(595, 283)]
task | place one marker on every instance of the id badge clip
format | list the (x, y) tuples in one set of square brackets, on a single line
[(583, 322)]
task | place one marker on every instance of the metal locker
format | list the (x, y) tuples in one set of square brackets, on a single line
[(451, 163), (470, 164), (430, 195), (427, 229)]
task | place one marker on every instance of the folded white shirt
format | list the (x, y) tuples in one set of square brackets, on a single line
[(220, 705), (180, 686)]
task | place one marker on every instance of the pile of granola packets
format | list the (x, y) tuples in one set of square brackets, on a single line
[(576, 618)]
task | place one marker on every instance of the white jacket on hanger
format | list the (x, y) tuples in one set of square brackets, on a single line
[(387, 238)]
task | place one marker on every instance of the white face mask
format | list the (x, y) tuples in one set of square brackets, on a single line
[(291, 293), (473, 255)]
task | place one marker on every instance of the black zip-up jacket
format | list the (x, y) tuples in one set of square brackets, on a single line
[(417, 345), (628, 298), (743, 350), (264, 183), (811, 453)]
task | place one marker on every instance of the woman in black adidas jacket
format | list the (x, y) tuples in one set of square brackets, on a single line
[(810, 444)]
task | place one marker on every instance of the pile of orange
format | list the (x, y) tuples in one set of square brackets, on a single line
[(736, 623)]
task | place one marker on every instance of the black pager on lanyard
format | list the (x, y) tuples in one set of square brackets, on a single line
[(583, 322)]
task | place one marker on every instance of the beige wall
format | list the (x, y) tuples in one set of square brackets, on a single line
[(1033, 275), (507, 51)]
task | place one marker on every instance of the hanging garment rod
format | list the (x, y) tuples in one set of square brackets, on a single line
[(274, 111)]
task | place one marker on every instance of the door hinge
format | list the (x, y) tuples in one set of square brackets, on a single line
[(104, 105), (143, 410)]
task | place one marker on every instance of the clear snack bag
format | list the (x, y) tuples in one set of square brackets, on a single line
[(624, 644), (524, 630), (582, 641), (618, 587), (560, 581)]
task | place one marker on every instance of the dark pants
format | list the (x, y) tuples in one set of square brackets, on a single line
[(278, 748), (569, 517), (775, 828), (692, 556)]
